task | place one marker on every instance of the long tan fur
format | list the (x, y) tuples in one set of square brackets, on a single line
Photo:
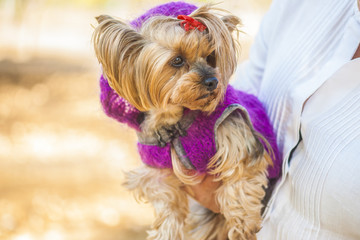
[(137, 65), (243, 179), (161, 189)]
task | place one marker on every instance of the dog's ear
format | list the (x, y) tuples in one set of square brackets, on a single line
[(101, 18), (114, 39), (117, 47), (231, 22)]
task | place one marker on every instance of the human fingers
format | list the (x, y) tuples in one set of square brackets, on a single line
[(204, 192)]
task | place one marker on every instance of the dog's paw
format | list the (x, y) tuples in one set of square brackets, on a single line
[(166, 134)]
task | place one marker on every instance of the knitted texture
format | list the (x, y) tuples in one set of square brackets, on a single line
[(172, 9), (199, 144), (117, 107)]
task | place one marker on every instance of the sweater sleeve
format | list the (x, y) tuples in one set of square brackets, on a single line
[(249, 74)]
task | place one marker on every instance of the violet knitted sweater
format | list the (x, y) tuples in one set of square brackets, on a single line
[(199, 143)]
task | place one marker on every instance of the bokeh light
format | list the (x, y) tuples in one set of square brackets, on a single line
[(61, 158)]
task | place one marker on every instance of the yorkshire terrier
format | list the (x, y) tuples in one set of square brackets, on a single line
[(173, 73)]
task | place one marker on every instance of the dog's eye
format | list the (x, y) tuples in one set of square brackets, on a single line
[(178, 62), (211, 60)]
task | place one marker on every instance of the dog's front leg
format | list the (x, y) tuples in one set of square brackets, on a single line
[(240, 203), (164, 191), (241, 165)]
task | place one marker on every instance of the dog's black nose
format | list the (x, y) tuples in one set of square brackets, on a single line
[(211, 83)]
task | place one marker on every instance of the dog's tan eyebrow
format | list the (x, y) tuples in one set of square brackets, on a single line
[(194, 48)]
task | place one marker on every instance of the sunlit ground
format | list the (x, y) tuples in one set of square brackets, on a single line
[(61, 158)]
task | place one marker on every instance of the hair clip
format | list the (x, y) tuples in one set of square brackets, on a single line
[(189, 23)]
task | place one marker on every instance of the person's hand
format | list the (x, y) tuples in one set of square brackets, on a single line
[(204, 192)]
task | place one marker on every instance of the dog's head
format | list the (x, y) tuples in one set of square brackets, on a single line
[(166, 64)]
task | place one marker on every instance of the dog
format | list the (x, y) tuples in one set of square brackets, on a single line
[(171, 75)]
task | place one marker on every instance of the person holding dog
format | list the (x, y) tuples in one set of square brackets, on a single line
[(305, 67)]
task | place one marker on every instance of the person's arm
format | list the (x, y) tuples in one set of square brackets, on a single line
[(249, 74)]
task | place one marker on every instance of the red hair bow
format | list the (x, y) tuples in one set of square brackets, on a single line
[(189, 23)]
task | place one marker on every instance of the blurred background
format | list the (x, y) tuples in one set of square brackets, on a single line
[(61, 158)]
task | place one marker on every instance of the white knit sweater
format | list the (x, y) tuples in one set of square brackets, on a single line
[(300, 67)]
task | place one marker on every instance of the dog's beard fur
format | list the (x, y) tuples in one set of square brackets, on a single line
[(138, 66)]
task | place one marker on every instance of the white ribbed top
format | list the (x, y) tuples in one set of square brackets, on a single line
[(300, 69)]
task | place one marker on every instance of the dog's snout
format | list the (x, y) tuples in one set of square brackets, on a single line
[(211, 83)]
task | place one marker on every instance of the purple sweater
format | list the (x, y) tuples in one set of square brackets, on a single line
[(199, 144)]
